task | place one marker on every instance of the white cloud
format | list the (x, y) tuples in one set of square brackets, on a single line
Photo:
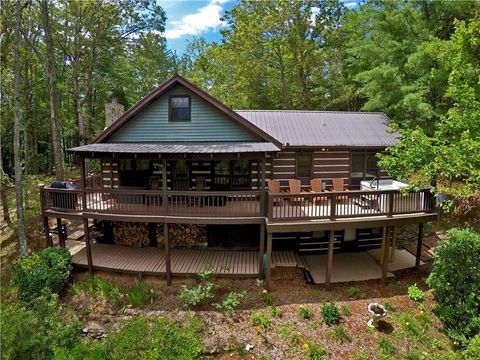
[(350, 4), (206, 18)]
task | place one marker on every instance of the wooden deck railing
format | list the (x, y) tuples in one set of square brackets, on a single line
[(277, 207), (347, 204)]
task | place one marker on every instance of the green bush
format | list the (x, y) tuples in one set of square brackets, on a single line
[(455, 277), (196, 295), (231, 301), (415, 293), (39, 333), (330, 314), (472, 352), (139, 293), (43, 272)]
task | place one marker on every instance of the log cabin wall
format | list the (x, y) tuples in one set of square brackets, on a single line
[(326, 164)]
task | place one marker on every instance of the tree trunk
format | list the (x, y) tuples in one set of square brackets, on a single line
[(22, 236), (78, 104), (52, 87)]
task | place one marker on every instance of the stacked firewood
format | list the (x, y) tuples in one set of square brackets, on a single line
[(183, 234), (130, 234)]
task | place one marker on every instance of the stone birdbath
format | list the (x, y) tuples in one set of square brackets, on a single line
[(376, 311)]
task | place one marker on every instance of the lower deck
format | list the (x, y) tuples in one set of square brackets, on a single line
[(185, 261)]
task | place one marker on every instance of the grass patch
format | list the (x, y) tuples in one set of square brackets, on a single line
[(260, 319), (340, 334), (140, 293), (387, 349), (304, 312)]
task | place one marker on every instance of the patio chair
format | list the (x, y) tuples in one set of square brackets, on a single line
[(339, 185), (316, 187), (274, 187), (295, 187)]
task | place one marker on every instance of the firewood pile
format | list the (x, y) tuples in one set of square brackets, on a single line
[(183, 234), (130, 234)]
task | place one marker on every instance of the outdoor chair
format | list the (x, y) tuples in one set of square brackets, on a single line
[(295, 187), (316, 187), (338, 185), (274, 188)]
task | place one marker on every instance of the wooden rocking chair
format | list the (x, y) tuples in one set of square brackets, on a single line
[(274, 188), (339, 185)]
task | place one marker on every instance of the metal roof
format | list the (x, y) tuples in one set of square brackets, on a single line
[(323, 128), (177, 148)]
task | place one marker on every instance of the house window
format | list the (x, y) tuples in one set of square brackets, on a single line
[(304, 165), (180, 108)]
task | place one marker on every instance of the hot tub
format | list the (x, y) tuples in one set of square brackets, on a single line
[(401, 203)]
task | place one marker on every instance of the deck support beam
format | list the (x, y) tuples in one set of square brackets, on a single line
[(269, 261), (261, 249), (386, 237), (419, 245), (263, 197), (61, 238), (46, 226), (168, 270), (328, 273), (164, 187), (88, 246)]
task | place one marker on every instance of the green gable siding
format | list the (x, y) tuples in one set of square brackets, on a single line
[(208, 124)]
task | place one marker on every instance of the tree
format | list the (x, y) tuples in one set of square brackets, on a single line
[(451, 155), (22, 236)]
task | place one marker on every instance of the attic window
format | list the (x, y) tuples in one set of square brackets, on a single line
[(180, 108)]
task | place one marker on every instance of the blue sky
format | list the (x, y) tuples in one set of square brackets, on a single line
[(189, 18)]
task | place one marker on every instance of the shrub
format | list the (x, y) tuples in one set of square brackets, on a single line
[(330, 314), (231, 301), (205, 275), (387, 349), (38, 333), (260, 319), (455, 277), (340, 333), (140, 293), (44, 272), (313, 351), (415, 293), (115, 295), (353, 292), (472, 352), (196, 295), (76, 288), (304, 312)]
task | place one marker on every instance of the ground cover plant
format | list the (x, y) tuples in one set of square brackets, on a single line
[(330, 313), (230, 301)]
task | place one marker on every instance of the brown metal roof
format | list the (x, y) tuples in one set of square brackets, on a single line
[(323, 128), (177, 148)]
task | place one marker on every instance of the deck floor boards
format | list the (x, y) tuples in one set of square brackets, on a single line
[(183, 261)]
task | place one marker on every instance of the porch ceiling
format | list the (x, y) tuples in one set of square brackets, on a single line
[(176, 148)]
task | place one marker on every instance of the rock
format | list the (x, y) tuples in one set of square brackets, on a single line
[(249, 347)]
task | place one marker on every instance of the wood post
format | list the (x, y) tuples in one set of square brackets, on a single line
[(328, 273), (261, 249), (61, 237), (419, 245), (168, 270), (164, 187), (269, 261), (394, 243), (262, 188), (333, 206), (88, 247), (46, 226), (385, 252)]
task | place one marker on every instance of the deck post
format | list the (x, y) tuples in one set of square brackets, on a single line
[(269, 261), (46, 226), (328, 273), (385, 252), (168, 270), (261, 249), (333, 206), (419, 245), (164, 187), (88, 246), (82, 184), (61, 239), (262, 188)]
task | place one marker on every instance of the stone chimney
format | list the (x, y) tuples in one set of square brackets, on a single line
[(113, 111)]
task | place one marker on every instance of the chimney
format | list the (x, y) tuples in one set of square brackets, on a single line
[(113, 111)]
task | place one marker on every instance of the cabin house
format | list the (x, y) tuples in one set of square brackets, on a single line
[(195, 184)]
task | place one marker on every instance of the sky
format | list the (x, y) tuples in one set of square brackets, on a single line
[(187, 19)]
